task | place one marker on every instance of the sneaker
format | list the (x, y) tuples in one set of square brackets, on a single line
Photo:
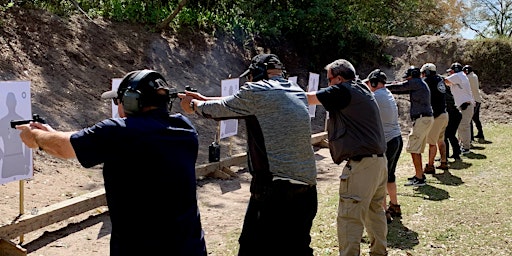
[(455, 157), (415, 182), (413, 177), (394, 210), (429, 169), (481, 140), (443, 166), (465, 151)]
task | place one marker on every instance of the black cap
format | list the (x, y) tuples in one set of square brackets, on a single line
[(455, 67), (468, 69), (378, 75), (412, 71), (261, 63)]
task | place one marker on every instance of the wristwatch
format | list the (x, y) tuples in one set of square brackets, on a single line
[(192, 106)]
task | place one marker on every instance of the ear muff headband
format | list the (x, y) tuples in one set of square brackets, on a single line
[(374, 78), (259, 69), (259, 72), (133, 99)]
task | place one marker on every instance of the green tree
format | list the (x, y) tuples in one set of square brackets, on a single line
[(409, 17), (489, 18)]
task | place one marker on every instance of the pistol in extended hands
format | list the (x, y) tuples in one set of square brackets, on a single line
[(35, 118), (174, 93)]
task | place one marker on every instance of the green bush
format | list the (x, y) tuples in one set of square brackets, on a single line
[(491, 59)]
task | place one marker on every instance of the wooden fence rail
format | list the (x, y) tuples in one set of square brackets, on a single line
[(66, 209)]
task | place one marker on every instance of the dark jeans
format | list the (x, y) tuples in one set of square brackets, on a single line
[(450, 134), (279, 222), (478, 124), (395, 146)]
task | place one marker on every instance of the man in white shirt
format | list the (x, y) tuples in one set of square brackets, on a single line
[(475, 90), (461, 90)]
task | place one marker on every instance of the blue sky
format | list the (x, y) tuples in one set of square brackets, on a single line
[(468, 34)]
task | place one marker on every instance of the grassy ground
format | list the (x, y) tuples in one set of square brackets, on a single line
[(463, 211)]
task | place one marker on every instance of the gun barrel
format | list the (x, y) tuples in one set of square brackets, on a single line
[(35, 118), (19, 122)]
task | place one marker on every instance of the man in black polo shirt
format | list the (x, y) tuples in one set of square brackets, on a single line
[(355, 134)]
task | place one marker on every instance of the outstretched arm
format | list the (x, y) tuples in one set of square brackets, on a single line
[(55, 143), (312, 99)]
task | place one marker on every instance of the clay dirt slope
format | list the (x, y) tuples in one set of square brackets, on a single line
[(70, 61)]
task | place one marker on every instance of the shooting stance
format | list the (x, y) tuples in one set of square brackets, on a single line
[(146, 153), (283, 199)]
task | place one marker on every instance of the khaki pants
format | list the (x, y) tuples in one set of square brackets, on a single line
[(464, 129), (362, 190)]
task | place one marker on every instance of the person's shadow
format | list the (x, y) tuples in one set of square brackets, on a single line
[(432, 193), (428, 192), (401, 237), (459, 165), (473, 155), (448, 178)]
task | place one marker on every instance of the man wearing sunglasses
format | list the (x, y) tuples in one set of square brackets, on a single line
[(148, 158), (356, 136)]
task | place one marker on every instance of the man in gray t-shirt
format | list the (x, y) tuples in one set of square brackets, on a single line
[(283, 199)]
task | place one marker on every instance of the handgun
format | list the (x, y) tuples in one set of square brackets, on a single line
[(35, 118)]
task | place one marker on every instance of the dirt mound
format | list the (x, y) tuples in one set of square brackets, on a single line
[(71, 61)]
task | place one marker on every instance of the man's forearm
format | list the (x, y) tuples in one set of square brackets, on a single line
[(57, 144)]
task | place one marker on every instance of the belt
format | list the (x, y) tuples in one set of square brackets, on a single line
[(360, 157), (290, 180), (414, 117)]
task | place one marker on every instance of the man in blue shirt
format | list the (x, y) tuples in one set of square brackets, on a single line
[(421, 115), (148, 158)]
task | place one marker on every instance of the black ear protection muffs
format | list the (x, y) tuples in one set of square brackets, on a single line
[(259, 68), (134, 99), (412, 72), (374, 79)]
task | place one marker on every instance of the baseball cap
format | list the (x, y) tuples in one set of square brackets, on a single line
[(455, 67), (147, 81), (113, 94), (412, 71), (428, 66), (378, 75), (266, 61)]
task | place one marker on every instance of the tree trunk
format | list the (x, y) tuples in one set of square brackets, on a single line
[(166, 21)]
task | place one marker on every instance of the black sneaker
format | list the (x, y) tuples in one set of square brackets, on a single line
[(413, 177), (456, 157), (465, 151), (415, 182)]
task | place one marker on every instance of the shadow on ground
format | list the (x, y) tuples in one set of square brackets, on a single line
[(401, 237), (51, 236)]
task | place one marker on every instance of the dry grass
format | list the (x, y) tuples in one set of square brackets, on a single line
[(463, 211)]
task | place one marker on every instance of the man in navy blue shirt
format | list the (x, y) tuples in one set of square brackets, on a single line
[(148, 158)]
